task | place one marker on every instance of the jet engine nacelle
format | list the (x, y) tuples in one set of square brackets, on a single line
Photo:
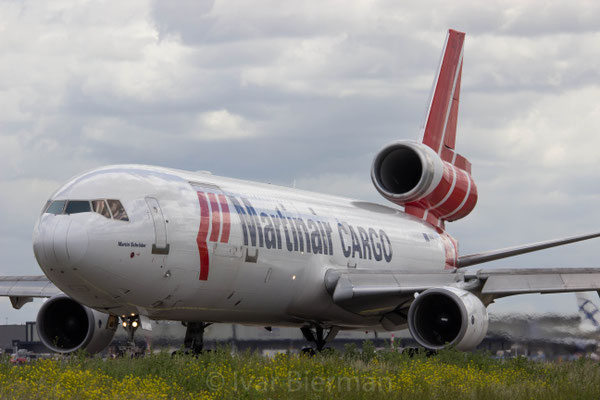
[(65, 326), (411, 174), (447, 316)]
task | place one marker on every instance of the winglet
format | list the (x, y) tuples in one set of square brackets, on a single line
[(440, 124)]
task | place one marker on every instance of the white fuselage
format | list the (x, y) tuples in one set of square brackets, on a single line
[(197, 247)]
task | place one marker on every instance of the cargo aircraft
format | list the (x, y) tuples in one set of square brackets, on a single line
[(127, 244)]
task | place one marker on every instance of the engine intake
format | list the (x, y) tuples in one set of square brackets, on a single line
[(65, 326), (447, 316), (406, 171), (411, 174)]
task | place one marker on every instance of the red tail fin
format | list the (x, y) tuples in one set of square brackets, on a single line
[(430, 179), (456, 194), (440, 125)]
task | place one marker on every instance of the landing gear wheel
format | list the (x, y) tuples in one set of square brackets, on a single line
[(416, 351), (309, 351)]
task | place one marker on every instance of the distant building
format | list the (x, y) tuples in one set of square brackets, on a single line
[(9, 334)]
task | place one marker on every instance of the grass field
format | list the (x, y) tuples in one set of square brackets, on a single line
[(351, 374)]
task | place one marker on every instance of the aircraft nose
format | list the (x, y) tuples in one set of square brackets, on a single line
[(59, 241), (43, 241)]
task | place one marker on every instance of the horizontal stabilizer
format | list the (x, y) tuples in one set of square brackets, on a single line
[(479, 258)]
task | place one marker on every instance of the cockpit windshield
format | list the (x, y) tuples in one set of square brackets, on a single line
[(108, 208), (56, 207), (77, 206), (101, 208), (117, 210)]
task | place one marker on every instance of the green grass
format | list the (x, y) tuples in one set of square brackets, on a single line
[(352, 374)]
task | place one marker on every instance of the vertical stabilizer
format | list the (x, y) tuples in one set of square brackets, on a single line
[(440, 125), (430, 179)]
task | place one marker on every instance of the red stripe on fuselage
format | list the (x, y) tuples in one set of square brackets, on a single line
[(450, 246), (202, 236), (216, 217), (226, 220)]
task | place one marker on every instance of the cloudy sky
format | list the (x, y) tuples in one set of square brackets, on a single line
[(306, 92)]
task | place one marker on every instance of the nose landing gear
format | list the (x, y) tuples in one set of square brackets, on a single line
[(130, 323)]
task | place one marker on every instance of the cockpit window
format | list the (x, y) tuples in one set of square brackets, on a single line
[(56, 207), (46, 206), (117, 210), (107, 208), (77, 206), (101, 208)]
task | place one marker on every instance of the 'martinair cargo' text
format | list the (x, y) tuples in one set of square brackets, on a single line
[(310, 234)]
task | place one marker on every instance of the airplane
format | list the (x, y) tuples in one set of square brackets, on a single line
[(132, 243), (589, 313)]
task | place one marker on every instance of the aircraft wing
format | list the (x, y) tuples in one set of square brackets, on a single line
[(374, 292), (22, 289), (499, 282), (369, 292)]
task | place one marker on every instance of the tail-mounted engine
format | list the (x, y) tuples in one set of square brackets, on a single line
[(65, 326), (412, 175), (430, 179), (447, 316)]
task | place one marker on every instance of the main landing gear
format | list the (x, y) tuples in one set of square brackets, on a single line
[(194, 336), (319, 336), (415, 351)]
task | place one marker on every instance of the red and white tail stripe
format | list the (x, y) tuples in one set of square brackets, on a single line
[(456, 194), (215, 220), (440, 126)]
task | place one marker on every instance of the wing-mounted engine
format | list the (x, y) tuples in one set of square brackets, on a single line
[(446, 316), (413, 175), (65, 326)]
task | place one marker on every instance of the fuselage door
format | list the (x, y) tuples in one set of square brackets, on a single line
[(161, 245)]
